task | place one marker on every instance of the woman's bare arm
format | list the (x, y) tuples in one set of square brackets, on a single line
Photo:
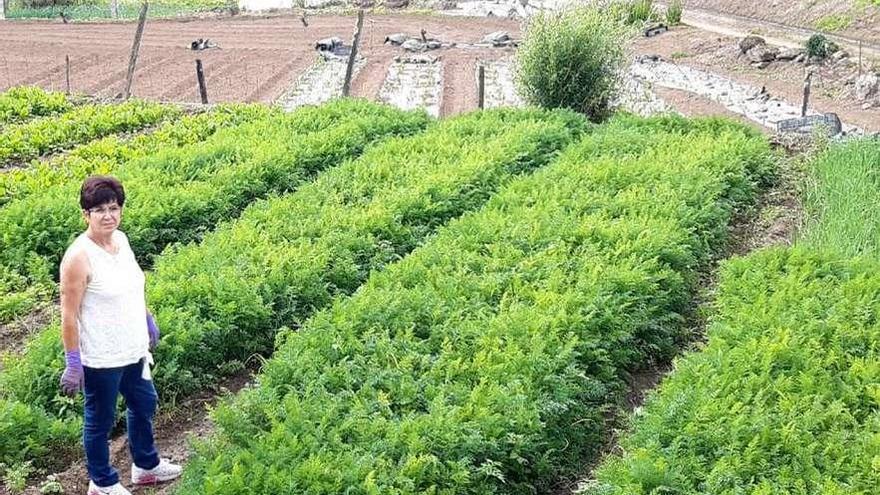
[(74, 279)]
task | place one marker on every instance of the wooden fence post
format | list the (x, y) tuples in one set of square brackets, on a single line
[(349, 68), (134, 50), (807, 83), (67, 73), (200, 76), (481, 86), (2, 9), (114, 9)]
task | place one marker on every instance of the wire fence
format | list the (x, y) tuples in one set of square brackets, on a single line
[(103, 9)]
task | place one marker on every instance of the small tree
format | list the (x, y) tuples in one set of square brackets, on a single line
[(571, 59)]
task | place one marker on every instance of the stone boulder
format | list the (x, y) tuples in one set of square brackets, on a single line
[(396, 39), (867, 86), (762, 53), (413, 46), (750, 42), (789, 54), (498, 38)]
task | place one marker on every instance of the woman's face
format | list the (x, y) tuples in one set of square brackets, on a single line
[(104, 219)]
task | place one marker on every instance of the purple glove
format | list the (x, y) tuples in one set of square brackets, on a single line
[(153, 330), (72, 378)]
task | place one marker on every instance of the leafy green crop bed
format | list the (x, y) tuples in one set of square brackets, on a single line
[(784, 399), (103, 156), (484, 361), (220, 300), (34, 138), (19, 293), (178, 193), (23, 103)]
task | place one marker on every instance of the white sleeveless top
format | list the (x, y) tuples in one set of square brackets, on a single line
[(112, 320)]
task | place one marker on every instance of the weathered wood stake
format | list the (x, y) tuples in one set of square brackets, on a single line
[(200, 76), (349, 68), (481, 86), (2, 9), (67, 73), (135, 47), (807, 83)]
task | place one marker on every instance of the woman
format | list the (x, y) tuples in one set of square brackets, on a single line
[(107, 340)]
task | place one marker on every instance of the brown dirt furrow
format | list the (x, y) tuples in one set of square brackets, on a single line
[(368, 81), (184, 86), (459, 84), (275, 85), (270, 52)]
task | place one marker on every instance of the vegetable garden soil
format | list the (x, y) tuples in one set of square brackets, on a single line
[(258, 58)]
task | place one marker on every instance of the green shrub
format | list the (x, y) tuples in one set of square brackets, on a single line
[(673, 12), (22, 103), (785, 397), (32, 139), (842, 211), (820, 46), (571, 59), (484, 361)]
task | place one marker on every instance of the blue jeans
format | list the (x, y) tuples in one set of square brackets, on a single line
[(102, 387)]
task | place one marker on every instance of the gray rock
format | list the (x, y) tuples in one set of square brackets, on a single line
[(433, 44), (762, 53), (396, 39), (867, 86), (413, 46), (497, 38), (750, 42), (839, 55), (800, 58), (328, 44), (760, 65), (789, 54)]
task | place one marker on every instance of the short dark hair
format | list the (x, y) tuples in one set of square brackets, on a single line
[(101, 189)]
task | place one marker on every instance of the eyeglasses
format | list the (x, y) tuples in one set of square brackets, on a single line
[(106, 210)]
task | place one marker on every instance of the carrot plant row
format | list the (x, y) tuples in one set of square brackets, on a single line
[(785, 397), (31, 139), (22, 103), (103, 156), (219, 300), (176, 194), (484, 361)]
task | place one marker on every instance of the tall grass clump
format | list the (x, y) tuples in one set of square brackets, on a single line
[(640, 11), (571, 59), (673, 12), (842, 200)]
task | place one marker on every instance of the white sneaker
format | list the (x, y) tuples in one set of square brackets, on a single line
[(116, 489), (163, 472)]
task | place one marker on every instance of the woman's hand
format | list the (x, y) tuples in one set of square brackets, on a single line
[(72, 378), (153, 330)]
